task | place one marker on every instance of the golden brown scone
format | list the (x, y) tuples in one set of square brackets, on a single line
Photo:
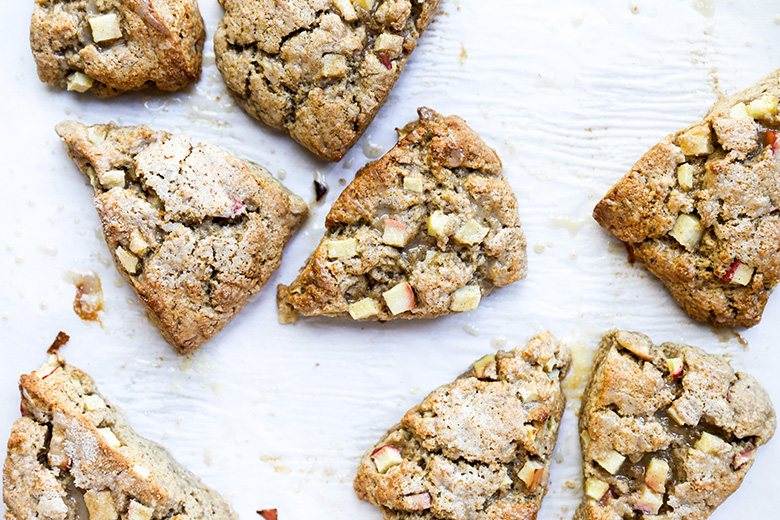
[(479, 448), (73, 449), (194, 230), (700, 209), (667, 431), (111, 46), (426, 230), (319, 69)]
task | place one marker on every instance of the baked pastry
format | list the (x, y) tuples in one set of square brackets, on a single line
[(117, 45), (478, 448), (318, 69), (73, 449), (426, 230), (194, 230), (667, 431), (700, 209)]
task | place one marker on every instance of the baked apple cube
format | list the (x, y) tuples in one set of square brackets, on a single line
[(532, 474), (344, 248), (396, 233), (439, 224), (105, 27), (696, 141), (688, 231), (365, 4), (400, 298), (482, 364), (93, 402), (364, 308), (762, 107), (138, 511), (100, 505), (79, 82), (596, 488), (648, 501), (472, 232), (656, 474), (611, 461), (739, 111), (385, 457), (466, 298), (418, 501), (712, 444), (414, 183), (675, 366), (685, 176), (110, 438)]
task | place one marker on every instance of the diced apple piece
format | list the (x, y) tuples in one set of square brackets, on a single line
[(688, 231), (100, 505), (740, 459), (656, 475), (399, 298), (79, 82), (414, 183), (109, 437), (57, 456), (138, 243), (532, 474), (685, 176), (765, 106), (675, 366), (674, 415), (648, 501), (696, 141), (637, 345), (128, 260), (93, 402), (396, 233), (481, 365), (611, 461), (417, 502), (472, 232), (344, 248), (334, 66), (364, 308), (390, 43), (739, 273), (595, 488), (142, 471), (439, 224), (365, 4), (96, 134), (739, 111), (711, 444), (346, 9), (466, 298), (385, 457), (48, 368), (138, 511), (506, 481), (113, 179), (105, 27)]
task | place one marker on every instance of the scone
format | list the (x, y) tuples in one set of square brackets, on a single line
[(667, 431), (112, 46), (318, 69), (700, 209), (426, 230), (73, 453), (194, 230), (478, 448)]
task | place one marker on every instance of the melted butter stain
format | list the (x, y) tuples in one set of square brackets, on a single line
[(463, 55), (572, 224), (705, 7), (274, 462), (582, 362)]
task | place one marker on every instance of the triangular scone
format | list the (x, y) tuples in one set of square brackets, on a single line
[(194, 230), (109, 47), (72, 453), (667, 431), (478, 448), (426, 230), (701, 210), (318, 69)]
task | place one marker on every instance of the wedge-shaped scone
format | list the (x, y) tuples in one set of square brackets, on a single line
[(194, 230), (112, 46), (667, 431), (477, 448), (700, 209), (73, 453), (318, 69), (426, 230)]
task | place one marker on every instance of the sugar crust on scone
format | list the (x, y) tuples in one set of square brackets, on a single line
[(667, 431), (476, 449), (700, 209), (318, 69), (72, 453), (194, 230), (428, 229)]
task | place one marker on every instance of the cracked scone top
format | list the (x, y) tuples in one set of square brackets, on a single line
[(478, 448), (426, 230), (111, 46), (667, 431), (701, 208), (73, 453), (194, 230), (319, 69)]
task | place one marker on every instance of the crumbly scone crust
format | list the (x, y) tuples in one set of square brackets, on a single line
[(73, 452), (194, 230), (453, 173), (674, 403), (319, 69), (733, 195), (161, 44), (477, 448)]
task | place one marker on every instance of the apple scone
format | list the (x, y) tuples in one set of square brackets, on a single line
[(112, 46), (700, 209), (318, 69), (479, 448), (72, 455), (426, 230), (667, 431), (194, 230)]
